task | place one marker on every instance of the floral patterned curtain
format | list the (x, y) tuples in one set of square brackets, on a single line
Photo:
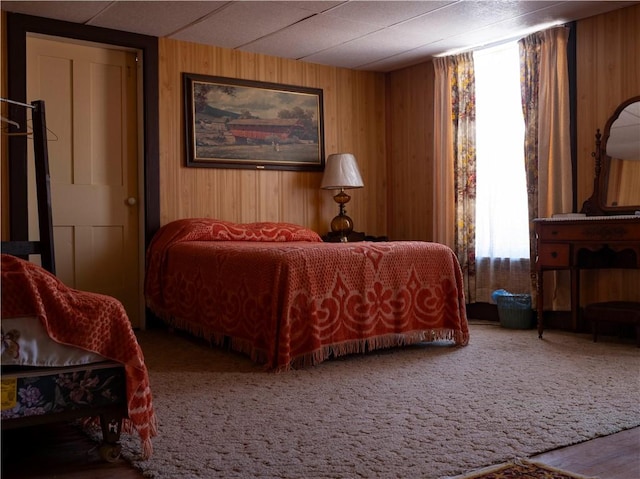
[(545, 103), (529, 85), (455, 82)]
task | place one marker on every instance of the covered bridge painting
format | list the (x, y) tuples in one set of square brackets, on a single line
[(265, 130), (241, 123)]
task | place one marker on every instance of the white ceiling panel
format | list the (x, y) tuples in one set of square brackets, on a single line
[(406, 58), (463, 17), (360, 34), (309, 36), (364, 50), (157, 19), (315, 7), (76, 12), (240, 23), (385, 13), (576, 10)]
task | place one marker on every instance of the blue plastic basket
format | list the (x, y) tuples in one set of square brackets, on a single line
[(514, 311)]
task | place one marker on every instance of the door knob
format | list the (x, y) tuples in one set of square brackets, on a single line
[(131, 201)]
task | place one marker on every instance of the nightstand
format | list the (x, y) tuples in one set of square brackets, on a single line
[(354, 237)]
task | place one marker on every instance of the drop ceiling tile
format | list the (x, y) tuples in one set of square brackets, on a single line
[(243, 22), (157, 19), (384, 13), (371, 48), (77, 12), (312, 35), (517, 27), (576, 10), (402, 60), (463, 17), (313, 6)]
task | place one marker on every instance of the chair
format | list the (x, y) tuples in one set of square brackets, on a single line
[(622, 312), (44, 247), (111, 413)]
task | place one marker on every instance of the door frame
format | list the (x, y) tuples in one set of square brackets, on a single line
[(18, 27)]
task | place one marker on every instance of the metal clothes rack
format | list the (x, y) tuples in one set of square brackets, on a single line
[(44, 246), (14, 102)]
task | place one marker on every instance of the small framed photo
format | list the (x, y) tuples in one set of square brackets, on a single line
[(232, 123)]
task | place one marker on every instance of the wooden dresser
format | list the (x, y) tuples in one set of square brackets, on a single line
[(591, 242)]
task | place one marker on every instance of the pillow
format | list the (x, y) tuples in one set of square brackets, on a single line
[(25, 342), (262, 231), (207, 229)]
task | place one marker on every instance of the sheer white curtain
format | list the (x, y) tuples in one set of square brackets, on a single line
[(502, 224)]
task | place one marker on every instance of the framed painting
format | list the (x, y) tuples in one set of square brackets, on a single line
[(232, 123)]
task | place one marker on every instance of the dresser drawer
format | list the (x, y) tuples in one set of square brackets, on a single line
[(588, 230), (553, 254)]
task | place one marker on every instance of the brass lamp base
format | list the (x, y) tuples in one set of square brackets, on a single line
[(342, 224)]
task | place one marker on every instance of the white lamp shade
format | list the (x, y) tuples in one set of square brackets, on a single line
[(341, 171)]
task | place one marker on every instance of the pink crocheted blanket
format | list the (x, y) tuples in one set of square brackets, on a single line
[(90, 321)]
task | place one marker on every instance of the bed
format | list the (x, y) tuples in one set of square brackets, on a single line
[(277, 293), (70, 354)]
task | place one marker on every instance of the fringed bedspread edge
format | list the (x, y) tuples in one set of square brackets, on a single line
[(317, 356)]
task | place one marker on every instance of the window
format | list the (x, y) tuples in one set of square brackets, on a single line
[(501, 195)]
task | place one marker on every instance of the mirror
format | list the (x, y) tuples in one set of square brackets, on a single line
[(623, 148), (616, 188)]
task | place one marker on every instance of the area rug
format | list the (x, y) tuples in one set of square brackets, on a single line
[(522, 470), (425, 411)]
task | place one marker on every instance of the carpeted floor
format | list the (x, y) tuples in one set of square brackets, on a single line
[(428, 411)]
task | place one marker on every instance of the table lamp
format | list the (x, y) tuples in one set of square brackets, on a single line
[(341, 173)]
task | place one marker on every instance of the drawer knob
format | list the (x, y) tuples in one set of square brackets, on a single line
[(554, 254)]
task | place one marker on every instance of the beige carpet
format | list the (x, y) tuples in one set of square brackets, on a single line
[(429, 411)]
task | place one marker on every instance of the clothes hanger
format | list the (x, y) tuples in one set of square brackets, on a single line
[(11, 122), (15, 124)]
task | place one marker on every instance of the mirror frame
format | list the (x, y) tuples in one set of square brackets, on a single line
[(596, 204)]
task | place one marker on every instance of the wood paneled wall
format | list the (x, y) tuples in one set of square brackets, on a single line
[(608, 70), (410, 131), (354, 122)]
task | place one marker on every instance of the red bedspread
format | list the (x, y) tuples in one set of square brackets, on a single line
[(90, 321), (294, 302)]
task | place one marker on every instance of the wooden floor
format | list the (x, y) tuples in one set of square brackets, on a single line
[(57, 451), (610, 457)]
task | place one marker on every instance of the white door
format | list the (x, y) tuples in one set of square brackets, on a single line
[(90, 104)]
